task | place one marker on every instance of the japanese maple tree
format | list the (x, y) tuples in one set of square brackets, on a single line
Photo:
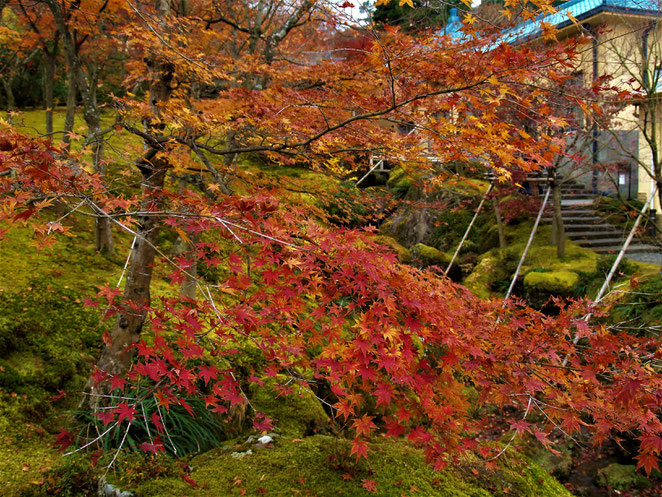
[(397, 347)]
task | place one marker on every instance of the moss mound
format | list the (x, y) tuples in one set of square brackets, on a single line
[(481, 280), (323, 466), (539, 286), (399, 181), (620, 477), (429, 256), (296, 414)]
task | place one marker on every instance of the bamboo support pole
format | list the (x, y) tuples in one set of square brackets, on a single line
[(466, 233), (528, 245)]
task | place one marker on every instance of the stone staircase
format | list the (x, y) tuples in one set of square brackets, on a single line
[(584, 226)]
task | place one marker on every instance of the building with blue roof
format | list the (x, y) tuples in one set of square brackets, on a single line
[(626, 43)]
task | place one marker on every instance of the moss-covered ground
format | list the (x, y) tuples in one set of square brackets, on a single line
[(322, 466), (579, 273), (48, 340)]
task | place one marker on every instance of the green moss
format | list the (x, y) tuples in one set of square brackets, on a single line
[(539, 287), (481, 279), (404, 254), (554, 282), (643, 308), (25, 456), (429, 255), (295, 414), (559, 465), (621, 477), (323, 466), (399, 181), (489, 239)]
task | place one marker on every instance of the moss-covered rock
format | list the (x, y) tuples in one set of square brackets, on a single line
[(296, 414), (621, 477), (423, 256), (410, 226), (481, 279), (399, 181), (553, 282), (429, 256), (324, 466), (403, 253), (540, 286), (489, 239)]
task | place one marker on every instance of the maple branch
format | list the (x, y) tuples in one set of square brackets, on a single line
[(556, 425), (162, 40), (214, 172), (368, 116), (501, 452)]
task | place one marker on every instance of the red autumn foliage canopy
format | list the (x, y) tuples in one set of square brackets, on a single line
[(401, 350)]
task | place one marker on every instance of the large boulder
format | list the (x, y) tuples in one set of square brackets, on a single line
[(539, 287)]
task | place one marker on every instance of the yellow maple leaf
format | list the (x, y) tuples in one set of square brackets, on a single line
[(407, 2)]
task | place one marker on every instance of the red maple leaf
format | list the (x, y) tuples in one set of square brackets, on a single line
[(647, 461), (125, 411), (117, 382), (360, 448), (370, 485), (156, 421), (63, 439), (207, 373), (154, 447), (363, 425), (106, 416), (189, 480)]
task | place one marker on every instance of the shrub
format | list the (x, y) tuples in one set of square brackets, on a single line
[(625, 267)]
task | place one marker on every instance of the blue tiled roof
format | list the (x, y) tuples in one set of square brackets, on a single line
[(579, 9)]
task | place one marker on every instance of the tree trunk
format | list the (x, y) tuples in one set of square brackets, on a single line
[(71, 110), (49, 82), (558, 228), (49, 86), (103, 234), (502, 233), (115, 358), (9, 95)]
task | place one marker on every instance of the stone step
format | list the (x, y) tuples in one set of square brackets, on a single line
[(568, 220), (579, 210), (593, 235), (638, 248), (591, 228), (601, 242), (572, 202), (573, 188)]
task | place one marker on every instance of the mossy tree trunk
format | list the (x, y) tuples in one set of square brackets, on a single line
[(70, 111), (117, 356), (86, 84), (9, 94), (50, 65)]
